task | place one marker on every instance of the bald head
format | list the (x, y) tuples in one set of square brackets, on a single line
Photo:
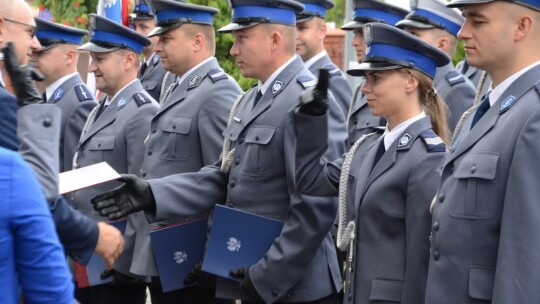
[(56, 62), (17, 25)]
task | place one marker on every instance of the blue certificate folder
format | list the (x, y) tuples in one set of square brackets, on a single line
[(237, 239), (90, 275), (177, 248)]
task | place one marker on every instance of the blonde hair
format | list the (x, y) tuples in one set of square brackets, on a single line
[(432, 103)]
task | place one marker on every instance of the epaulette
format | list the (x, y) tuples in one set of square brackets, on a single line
[(217, 74), (433, 142), (141, 98), (333, 71), (454, 77), (83, 93), (306, 81)]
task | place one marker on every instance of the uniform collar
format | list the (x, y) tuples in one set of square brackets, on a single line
[(499, 90), (264, 86), (55, 85), (186, 74), (390, 136), (109, 100), (314, 59)]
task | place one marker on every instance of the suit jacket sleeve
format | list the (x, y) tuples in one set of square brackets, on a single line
[(8, 121), (423, 181), (41, 266), (516, 276)]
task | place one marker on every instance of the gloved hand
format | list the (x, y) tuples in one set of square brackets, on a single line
[(246, 285), (135, 195), (193, 276), (314, 101), (206, 281), (22, 78)]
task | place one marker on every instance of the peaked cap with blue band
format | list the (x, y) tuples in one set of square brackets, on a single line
[(51, 34), (366, 11), (248, 13), (142, 11), (426, 14), (108, 36), (391, 48), (532, 4), (171, 14), (314, 8)]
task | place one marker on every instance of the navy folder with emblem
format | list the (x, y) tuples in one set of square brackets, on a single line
[(177, 248), (91, 274), (237, 239)]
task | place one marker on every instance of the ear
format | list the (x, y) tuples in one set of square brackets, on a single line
[(198, 42), (130, 60), (322, 31), (442, 43), (276, 40), (71, 56), (411, 84), (524, 26)]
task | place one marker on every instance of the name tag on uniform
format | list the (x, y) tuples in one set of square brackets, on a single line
[(237, 239), (90, 275), (177, 248)]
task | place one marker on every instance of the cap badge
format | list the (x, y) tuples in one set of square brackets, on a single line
[(404, 140)]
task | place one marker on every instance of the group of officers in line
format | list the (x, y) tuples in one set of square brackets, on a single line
[(436, 191)]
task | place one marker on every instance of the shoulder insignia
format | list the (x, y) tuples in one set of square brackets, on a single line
[(433, 142), (454, 77), (57, 95), (83, 93), (122, 102), (276, 87), (217, 75), (194, 81), (141, 99), (507, 103), (404, 140), (306, 81)]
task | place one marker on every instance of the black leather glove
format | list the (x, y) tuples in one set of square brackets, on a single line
[(135, 195), (314, 101), (246, 285), (193, 276), (22, 78), (206, 281)]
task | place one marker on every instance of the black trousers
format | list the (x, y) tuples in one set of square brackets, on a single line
[(112, 294), (332, 299), (188, 295)]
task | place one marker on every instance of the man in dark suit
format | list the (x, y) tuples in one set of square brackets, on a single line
[(151, 73), (57, 61), (486, 224)]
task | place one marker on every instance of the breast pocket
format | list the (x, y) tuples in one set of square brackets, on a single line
[(476, 173), (102, 148), (260, 156), (176, 138)]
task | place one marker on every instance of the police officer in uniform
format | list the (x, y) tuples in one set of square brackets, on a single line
[(186, 133), (438, 25), (114, 132), (151, 72), (57, 61), (360, 121), (258, 172), (486, 228), (311, 31), (393, 174)]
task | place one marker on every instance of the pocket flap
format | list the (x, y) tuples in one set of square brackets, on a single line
[(481, 280), (149, 85), (232, 131), (177, 124), (102, 143), (260, 135), (386, 290), (478, 165), (367, 121)]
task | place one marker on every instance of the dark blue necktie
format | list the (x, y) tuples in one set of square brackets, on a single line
[(143, 68), (100, 110), (481, 110), (257, 98), (379, 153)]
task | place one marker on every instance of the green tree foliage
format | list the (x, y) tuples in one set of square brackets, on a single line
[(337, 14), (225, 41), (68, 12)]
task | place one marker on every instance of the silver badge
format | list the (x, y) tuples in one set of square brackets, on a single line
[(508, 102), (277, 86), (122, 102), (404, 140), (194, 80), (368, 35)]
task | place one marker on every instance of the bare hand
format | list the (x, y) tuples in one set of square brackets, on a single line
[(110, 243)]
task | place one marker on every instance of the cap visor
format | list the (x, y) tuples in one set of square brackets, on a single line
[(162, 29), (460, 3), (360, 69), (47, 47), (92, 47), (231, 27), (349, 26), (303, 18), (412, 23)]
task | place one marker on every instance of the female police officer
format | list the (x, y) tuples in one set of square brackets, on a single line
[(389, 180)]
